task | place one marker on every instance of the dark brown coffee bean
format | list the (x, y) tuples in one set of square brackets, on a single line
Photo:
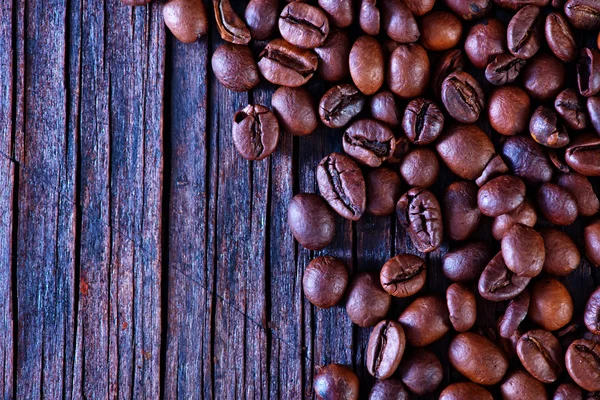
[(421, 371), (388, 389), (544, 76), (546, 128), (477, 358), (541, 355), (340, 104), (369, 17), (588, 72), (583, 14), (562, 255), (186, 19), (462, 307), (515, 5), (419, 7), (403, 275), (583, 364), (383, 191), (282, 63), (418, 211), (341, 183), (560, 37), (367, 64), (524, 32), (526, 159), (295, 110), (462, 96), (591, 317), (333, 57), (551, 305), (464, 391), (383, 108), (460, 211), (440, 30), (234, 67), (470, 9), (255, 132), (408, 71), (369, 142), (335, 381), (583, 154), (398, 22), (498, 283), (571, 109), (509, 110), (568, 391), (367, 303), (311, 221), (324, 281), (261, 18), (504, 68), (519, 385), (466, 262), (591, 241), (303, 25), (385, 349), (425, 320), (557, 158), (523, 250), (340, 12), (402, 147), (230, 26), (420, 167), (509, 345), (494, 168), (524, 214), (593, 107), (423, 121), (485, 40), (449, 61), (558, 205), (501, 195), (515, 313)]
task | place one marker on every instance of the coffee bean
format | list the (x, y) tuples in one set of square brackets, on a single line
[(403, 275), (509, 345), (466, 262), (367, 303), (541, 355), (591, 317), (340, 104), (261, 18), (230, 26), (504, 68), (562, 255), (462, 307), (591, 241), (295, 110), (369, 17), (367, 64), (383, 191), (515, 5), (560, 37), (546, 129), (335, 381), (501, 195), (593, 107), (557, 158), (465, 149), (568, 391), (556, 204), (544, 76), (311, 221), (460, 211), (588, 72), (515, 313), (583, 14), (398, 22), (385, 349), (418, 211), (519, 385), (477, 358), (369, 142), (402, 147), (420, 167), (324, 281), (448, 62), (485, 40), (524, 214), (465, 390), (462, 96), (421, 371), (423, 121), (498, 283), (583, 364), (341, 183), (333, 57), (571, 109), (282, 63), (523, 250), (255, 132), (303, 25), (234, 67), (425, 320), (384, 108), (494, 168), (388, 389), (340, 12), (551, 305), (509, 110), (440, 30), (408, 71), (471, 9), (186, 19), (524, 32), (583, 154), (419, 7), (526, 159)]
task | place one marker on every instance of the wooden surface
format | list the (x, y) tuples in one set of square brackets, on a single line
[(140, 256)]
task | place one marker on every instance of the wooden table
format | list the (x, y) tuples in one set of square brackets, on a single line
[(140, 256)]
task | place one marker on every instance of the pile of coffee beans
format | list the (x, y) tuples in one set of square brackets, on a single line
[(400, 83)]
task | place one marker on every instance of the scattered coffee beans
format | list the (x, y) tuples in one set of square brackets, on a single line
[(324, 281)]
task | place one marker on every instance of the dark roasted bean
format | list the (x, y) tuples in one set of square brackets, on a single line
[(421, 371), (333, 57), (383, 191), (485, 40), (335, 381), (558, 205), (583, 14), (367, 65), (369, 142), (340, 104), (546, 128), (425, 320), (324, 281), (311, 221), (588, 72), (255, 132), (462, 96), (519, 385), (408, 71), (551, 305), (571, 109), (509, 110), (423, 121), (498, 283), (526, 159), (261, 17), (524, 214), (295, 109), (284, 64), (462, 307), (398, 22), (471, 9), (303, 25), (385, 349), (544, 76), (418, 211), (465, 390), (560, 37), (568, 391), (369, 17), (583, 154), (465, 149), (420, 167), (367, 303), (466, 263), (388, 389), (583, 364), (591, 317), (403, 275), (524, 32), (501, 195), (515, 313), (230, 26), (504, 68), (460, 211), (440, 30), (541, 355), (340, 12), (186, 19), (562, 255), (477, 358), (523, 250), (591, 241), (234, 67), (449, 61), (384, 108)]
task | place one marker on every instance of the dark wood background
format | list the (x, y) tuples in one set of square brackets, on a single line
[(140, 256)]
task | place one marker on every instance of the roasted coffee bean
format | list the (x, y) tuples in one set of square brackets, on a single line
[(421, 371), (423, 121), (571, 109), (541, 355), (340, 12), (383, 191), (560, 37), (544, 76), (523, 250), (526, 159), (588, 72), (524, 32), (583, 364), (419, 7), (546, 128), (515, 5), (420, 167), (340, 104), (295, 110), (509, 345), (551, 305), (324, 281), (583, 14), (369, 142), (591, 241), (383, 108), (398, 22), (464, 391), (261, 18), (519, 385), (485, 40), (385, 349), (470, 9), (403, 275), (369, 17), (255, 132), (311, 221), (230, 26), (562, 255), (556, 204), (367, 303), (419, 213), (583, 154), (425, 320), (186, 19), (287, 65), (498, 283), (591, 317), (235, 67), (466, 262), (568, 391), (462, 307), (494, 168), (477, 358), (465, 149), (367, 64), (462, 96), (303, 25), (515, 313), (402, 147), (509, 110), (440, 30), (557, 158), (504, 68), (335, 381), (524, 214), (408, 71), (449, 61), (501, 195), (333, 57), (341, 183), (460, 211), (593, 107), (388, 389)]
